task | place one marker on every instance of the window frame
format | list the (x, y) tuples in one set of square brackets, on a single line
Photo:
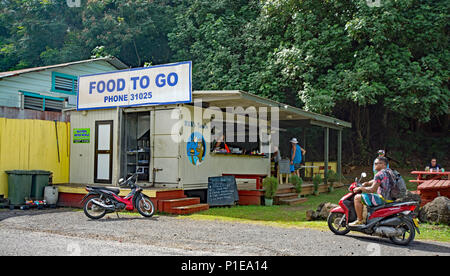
[(43, 97), (62, 75)]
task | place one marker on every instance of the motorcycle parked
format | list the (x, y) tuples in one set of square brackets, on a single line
[(395, 220), (103, 200)]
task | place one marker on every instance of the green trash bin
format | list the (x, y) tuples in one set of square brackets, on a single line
[(19, 186), (39, 182)]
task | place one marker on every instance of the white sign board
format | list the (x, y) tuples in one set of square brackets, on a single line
[(155, 85)]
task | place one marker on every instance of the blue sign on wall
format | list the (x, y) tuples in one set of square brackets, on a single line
[(196, 148)]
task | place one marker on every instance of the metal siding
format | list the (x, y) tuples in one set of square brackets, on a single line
[(41, 81), (86, 68), (164, 150), (164, 121), (32, 145), (169, 173), (164, 146), (82, 155)]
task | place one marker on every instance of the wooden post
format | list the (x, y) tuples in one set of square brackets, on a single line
[(327, 138), (339, 155), (304, 156)]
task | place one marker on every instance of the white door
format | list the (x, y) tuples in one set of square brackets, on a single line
[(103, 152), (165, 148)]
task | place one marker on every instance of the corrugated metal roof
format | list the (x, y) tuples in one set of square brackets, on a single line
[(111, 60), (289, 115)]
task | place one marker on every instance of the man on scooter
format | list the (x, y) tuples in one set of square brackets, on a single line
[(375, 192)]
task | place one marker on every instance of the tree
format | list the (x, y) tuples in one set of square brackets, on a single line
[(361, 63), (31, 31), (135, 31), (210, 33)]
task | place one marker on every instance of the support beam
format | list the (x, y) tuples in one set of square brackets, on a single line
[(339, 155), (326, 149)]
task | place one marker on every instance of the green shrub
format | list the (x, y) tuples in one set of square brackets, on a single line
[(270, 185), (332, 177), (317, 179), (297, 182)]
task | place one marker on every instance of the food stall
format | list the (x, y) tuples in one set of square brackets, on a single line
[(149, 121)]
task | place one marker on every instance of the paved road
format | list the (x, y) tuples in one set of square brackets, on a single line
[(67, 232)]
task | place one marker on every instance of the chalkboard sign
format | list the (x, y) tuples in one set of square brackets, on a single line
[(222, 191)]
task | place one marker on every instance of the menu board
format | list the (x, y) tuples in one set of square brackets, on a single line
[(222, 191)]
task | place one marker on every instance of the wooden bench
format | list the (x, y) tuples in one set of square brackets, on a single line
[(431, 189), (417, 181)]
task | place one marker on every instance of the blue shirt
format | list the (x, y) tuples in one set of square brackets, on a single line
[(298, 155)]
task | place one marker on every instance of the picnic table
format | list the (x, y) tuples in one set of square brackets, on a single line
[(423, 176), (430, 189)]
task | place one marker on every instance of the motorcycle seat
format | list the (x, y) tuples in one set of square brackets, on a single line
[(392, 204), (387, 205), (111, 189)]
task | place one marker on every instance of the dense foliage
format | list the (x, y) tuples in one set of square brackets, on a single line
[(385, 69)]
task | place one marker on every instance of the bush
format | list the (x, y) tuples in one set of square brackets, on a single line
[(317, 179), (270, 185), (297, 182), (332, 177)]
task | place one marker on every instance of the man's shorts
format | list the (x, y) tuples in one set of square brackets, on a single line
[(295, 167), (372, 200)]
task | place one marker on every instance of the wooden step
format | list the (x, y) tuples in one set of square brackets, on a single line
[(189, 209), (170, 194), (278, 197), (285, 188), (286, 195), (168, 204), (293, 201)]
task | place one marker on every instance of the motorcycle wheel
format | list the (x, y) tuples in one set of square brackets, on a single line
[(145, 206), (93, 211), (334, 225), (408, 235)]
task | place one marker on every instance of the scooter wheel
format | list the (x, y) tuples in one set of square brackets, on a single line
[(92, 210), (334, 224), (145, 206), (408, 235)]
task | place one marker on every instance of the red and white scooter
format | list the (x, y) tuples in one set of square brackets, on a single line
[(395, 221)]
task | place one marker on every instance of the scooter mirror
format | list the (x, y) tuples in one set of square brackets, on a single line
[(121, 180), (363, 175)]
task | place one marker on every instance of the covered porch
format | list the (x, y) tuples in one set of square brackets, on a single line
[(288, 117)]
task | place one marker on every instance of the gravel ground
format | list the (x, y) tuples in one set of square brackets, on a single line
[(68, 232)]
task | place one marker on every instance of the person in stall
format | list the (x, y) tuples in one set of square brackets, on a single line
[(221, 145), (296, 156)]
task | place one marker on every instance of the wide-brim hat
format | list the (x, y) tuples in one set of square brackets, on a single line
[(294, 140)]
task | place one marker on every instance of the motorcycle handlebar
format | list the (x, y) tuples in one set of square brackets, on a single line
[(129, 181)]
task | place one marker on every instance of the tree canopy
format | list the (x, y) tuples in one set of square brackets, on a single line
[(384, 68)]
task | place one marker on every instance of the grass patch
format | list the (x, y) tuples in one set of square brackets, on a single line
[(295, 216), (276, 213), (409, 185), (434, 232)]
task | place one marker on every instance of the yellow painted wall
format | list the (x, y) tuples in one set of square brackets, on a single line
[(315, 171), (31, 145)]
